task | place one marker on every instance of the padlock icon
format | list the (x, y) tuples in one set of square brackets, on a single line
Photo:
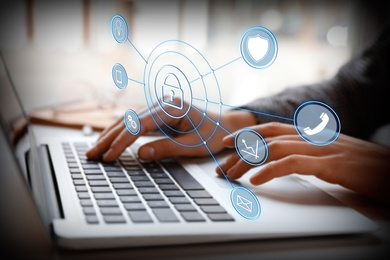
[(172, 93)]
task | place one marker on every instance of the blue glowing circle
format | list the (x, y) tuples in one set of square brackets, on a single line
[(203, 89), (245, 203), (259, 47), (119, 76), (251, 147), (119, 28), (317, 123), (132, 122)]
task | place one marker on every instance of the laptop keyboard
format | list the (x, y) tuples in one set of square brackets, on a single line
[(130, 190)]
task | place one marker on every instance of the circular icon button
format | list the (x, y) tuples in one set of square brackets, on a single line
[(119, 28), (131, 121), (259, 47), (317, 123), (251, 147), (119, 76), (245, 203)]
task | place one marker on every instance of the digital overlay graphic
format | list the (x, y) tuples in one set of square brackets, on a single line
[(181, 86)]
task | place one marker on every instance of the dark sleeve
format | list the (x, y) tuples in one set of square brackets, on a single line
[(359, 93)]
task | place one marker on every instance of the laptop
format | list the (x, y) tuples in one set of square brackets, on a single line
[(87, 204)]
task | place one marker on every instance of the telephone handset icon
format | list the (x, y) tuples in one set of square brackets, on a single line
[(325, 119)]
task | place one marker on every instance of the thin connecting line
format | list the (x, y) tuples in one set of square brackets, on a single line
[(211, 153), (137, 50), (215, 122), (220, 67), (136, 81), (259, 113), (213, 70), (246, 109)]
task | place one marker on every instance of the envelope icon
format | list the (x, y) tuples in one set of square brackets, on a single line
[(244, 203)]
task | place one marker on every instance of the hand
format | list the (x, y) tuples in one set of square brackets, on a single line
[(353, 163), (115, 139)]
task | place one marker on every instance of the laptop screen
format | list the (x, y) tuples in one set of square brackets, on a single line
[(13, 119)]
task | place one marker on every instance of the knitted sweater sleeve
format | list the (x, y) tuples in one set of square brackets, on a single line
[(359, 93)]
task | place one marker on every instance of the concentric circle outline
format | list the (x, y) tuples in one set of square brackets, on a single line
[(338, 123), (149, 98), (167, 125), (262, 140)]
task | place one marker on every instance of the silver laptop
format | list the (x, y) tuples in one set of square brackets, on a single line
[(87, 204)]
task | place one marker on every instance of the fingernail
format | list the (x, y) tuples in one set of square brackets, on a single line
[(146, 153)]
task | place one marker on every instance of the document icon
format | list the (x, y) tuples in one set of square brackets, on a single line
[(244, 203)]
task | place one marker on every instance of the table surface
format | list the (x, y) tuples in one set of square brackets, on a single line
[(23, 236)]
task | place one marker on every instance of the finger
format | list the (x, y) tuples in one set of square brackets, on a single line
[(166, 148), (275, 129), (227, 164), (268, 130), (104, 143), (301, 164), (121, 142), (280, 148), (238, 169), (109, 128), (283, 138)]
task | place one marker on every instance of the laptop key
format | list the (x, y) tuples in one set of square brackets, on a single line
[(192, 216), (75, 170), (86, 202), (165, 215), (148, 190), (207, 201), (83, 195), (122, 186), (81, 188), (98, 183), (114, 219), (134, 206), (91, 166), (77, 176), (126, 192), (168, 187), (220, 217), (115, 174), (139, 178), (92, 219), (101, 189), (104, 196), (127, 199), (107, 203), (179, 200), (163, 181), (213, 209), (140, 216), (136, 173), (95, 177), (173, 193), (119, 180), (148, 197), (182, 176), (158, 204), (89, 211), (144, 184), (199, 194), (156, 175), (185, 207), (111, 211), (79, 182), (93, 171)]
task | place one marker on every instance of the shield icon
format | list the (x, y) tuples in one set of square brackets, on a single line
[(257, 47)]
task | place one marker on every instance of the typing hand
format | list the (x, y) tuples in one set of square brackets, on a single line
[(353, 163), (114, 139)]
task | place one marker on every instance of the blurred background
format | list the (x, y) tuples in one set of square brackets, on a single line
[(63, 51)]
